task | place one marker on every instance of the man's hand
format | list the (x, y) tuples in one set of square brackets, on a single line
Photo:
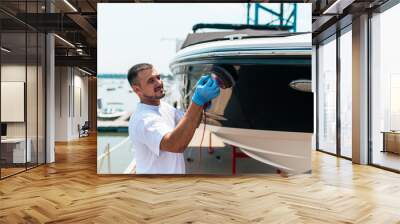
[(207, 89), (177, 140)]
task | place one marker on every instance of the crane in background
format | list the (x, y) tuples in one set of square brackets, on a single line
[(283, 15)]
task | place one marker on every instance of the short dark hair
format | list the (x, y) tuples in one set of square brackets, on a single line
[(134, 71)]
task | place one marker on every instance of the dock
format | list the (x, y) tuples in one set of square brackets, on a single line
[(118, 125)]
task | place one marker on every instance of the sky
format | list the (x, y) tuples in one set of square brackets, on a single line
[(146, 32)]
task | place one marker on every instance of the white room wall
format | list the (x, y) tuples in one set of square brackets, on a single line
[(61, 103), (34, 124), (15, 72), (79, 117), (70, 83)]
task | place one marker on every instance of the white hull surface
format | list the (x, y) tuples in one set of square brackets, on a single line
[(263, 80), (287, 151)]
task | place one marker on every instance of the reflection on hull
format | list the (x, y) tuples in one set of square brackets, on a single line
[(289, 151), (262, 99)]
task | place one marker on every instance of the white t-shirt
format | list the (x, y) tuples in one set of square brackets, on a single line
[(147, 126)]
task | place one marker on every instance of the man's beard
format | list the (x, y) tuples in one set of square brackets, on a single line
[(155, 97)]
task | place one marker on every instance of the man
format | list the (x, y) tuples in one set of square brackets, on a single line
[(158, 131)]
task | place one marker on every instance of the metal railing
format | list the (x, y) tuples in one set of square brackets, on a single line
[(107, 153)]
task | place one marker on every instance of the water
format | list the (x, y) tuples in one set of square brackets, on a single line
[(112, 138), (115, 93), (119, 159)]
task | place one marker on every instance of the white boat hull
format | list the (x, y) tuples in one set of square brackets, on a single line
[(287, 151)]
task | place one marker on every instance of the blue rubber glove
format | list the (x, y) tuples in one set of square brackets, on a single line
[(207, 89)]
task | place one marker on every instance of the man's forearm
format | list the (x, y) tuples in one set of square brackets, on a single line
[(176, 141), (187, 126), (181, 136)]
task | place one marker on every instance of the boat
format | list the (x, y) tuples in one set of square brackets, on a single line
[(110, 113), (115, 103), (265, 106)]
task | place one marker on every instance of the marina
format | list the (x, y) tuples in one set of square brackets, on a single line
[(114, 107)]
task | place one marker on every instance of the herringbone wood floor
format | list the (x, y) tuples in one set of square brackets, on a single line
[(70, 191)]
